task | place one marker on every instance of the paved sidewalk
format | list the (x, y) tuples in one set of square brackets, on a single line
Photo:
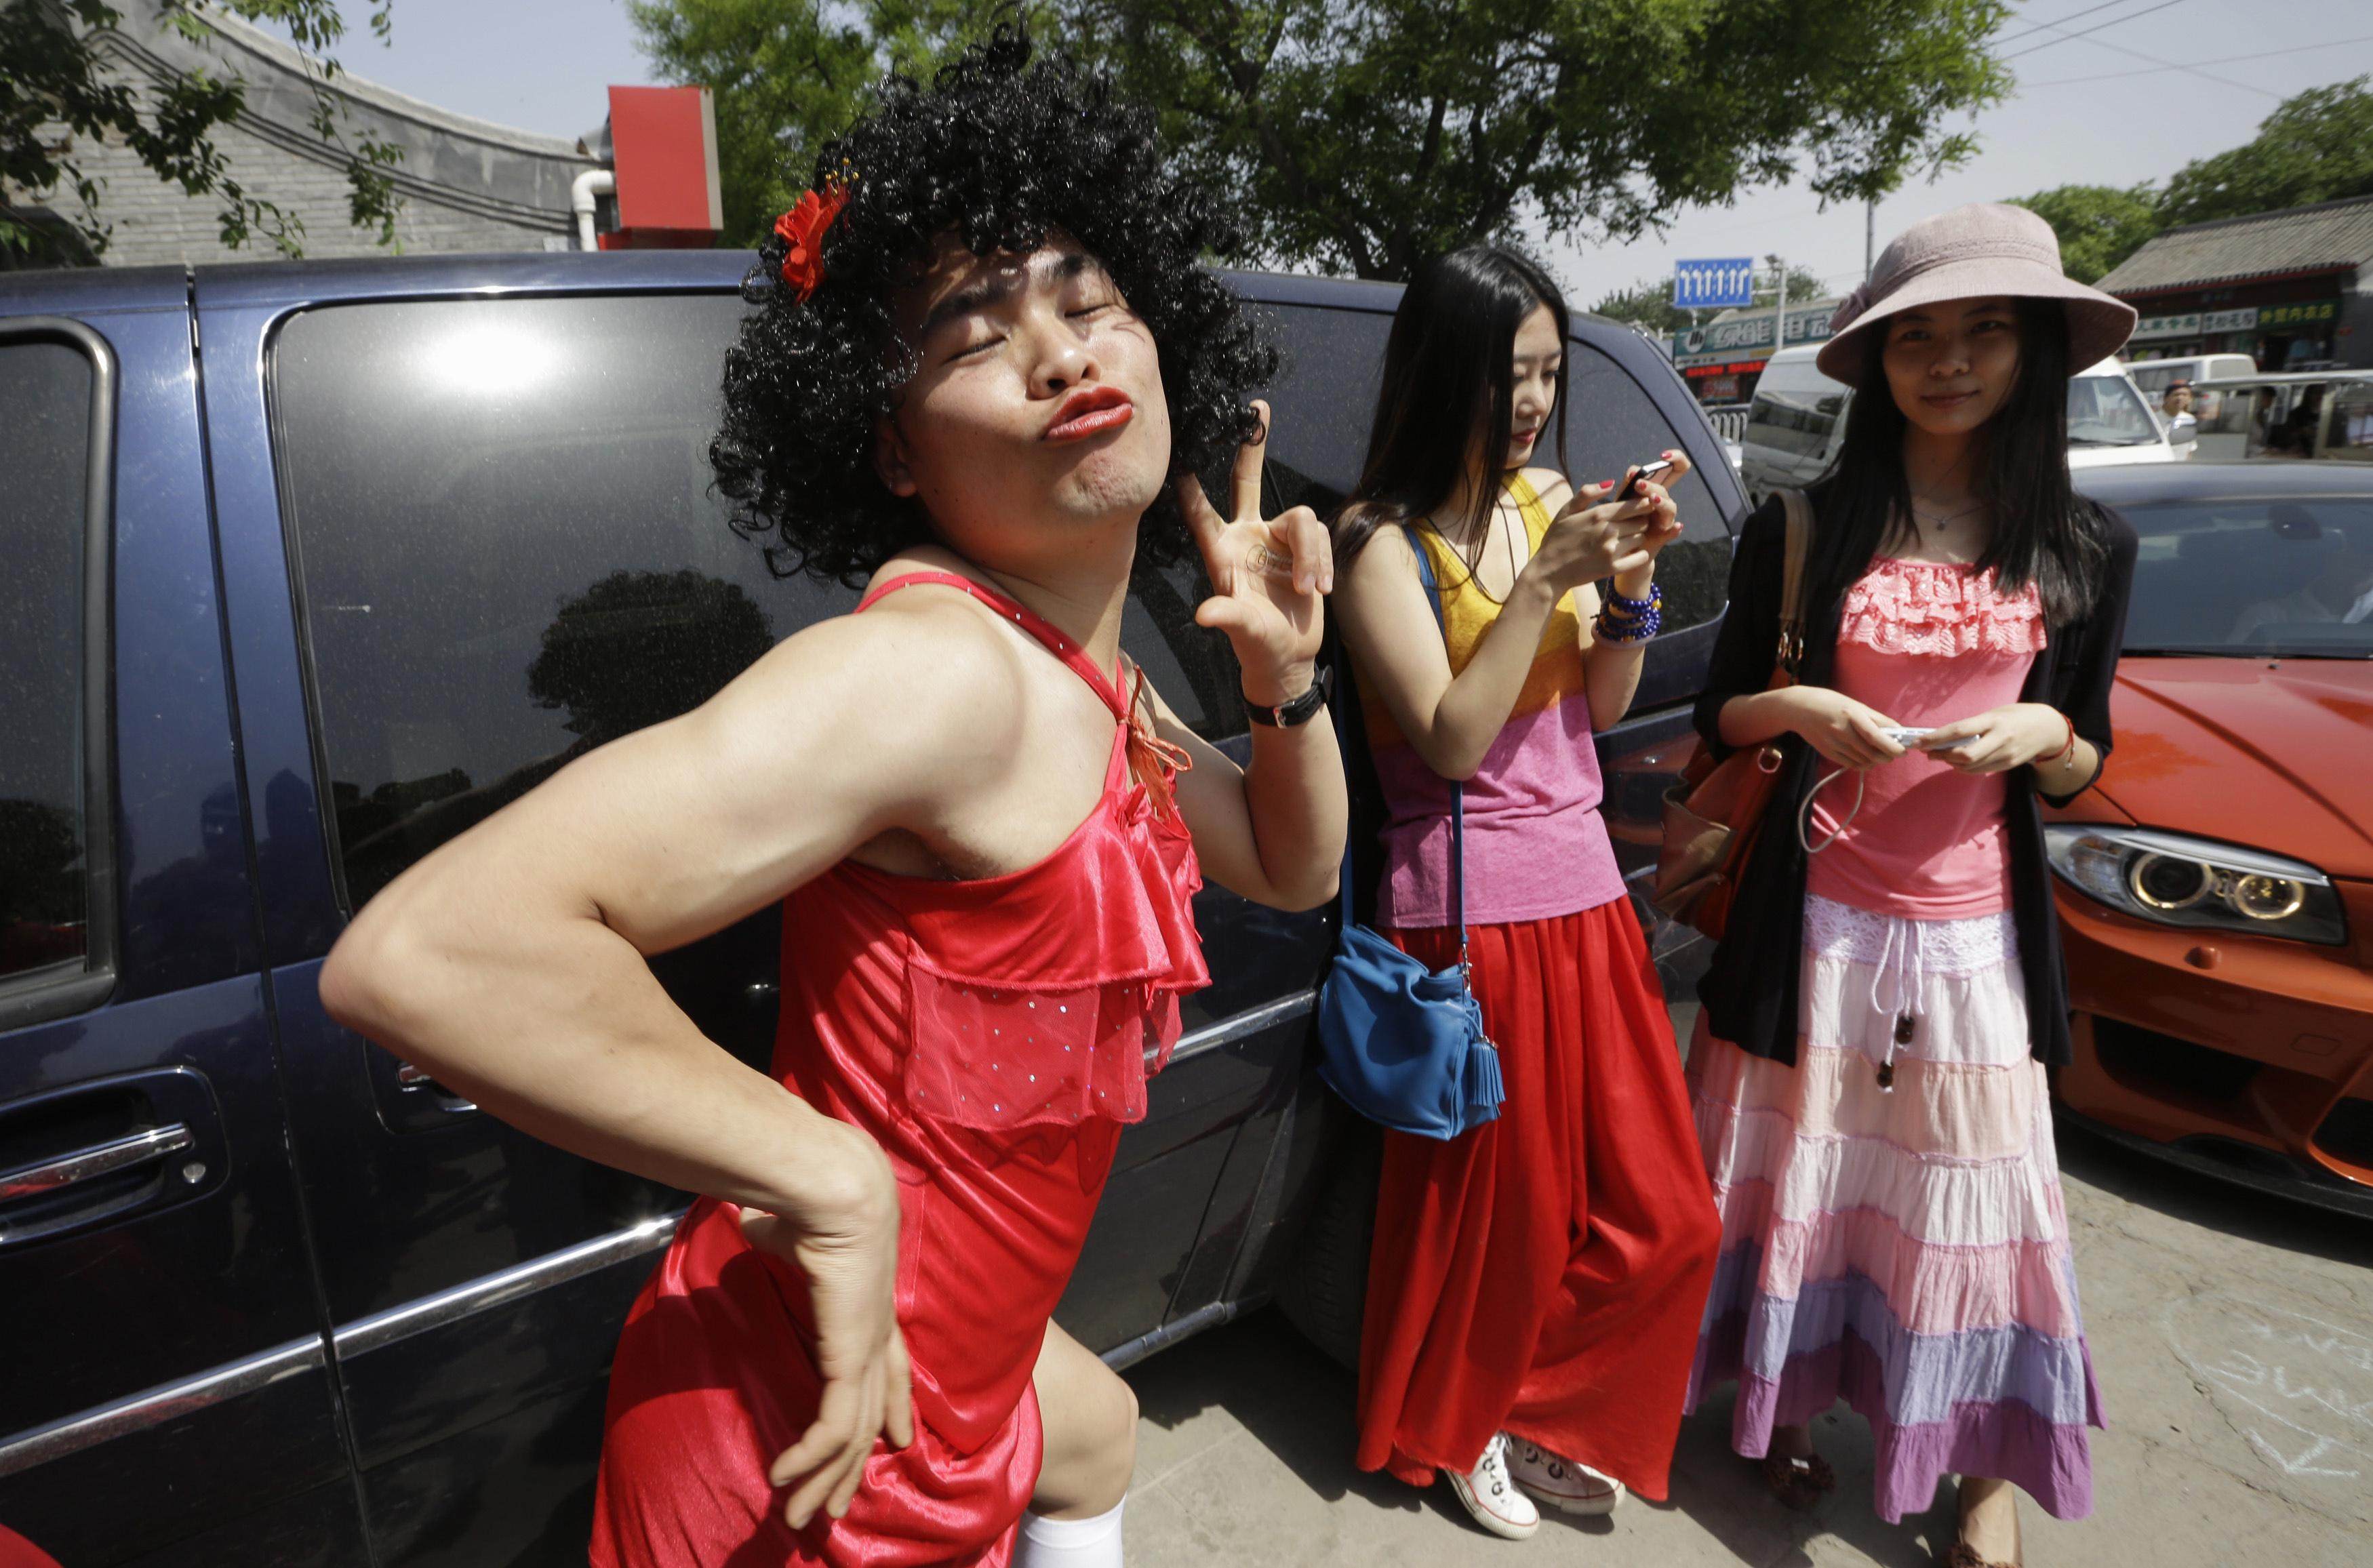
[(2232, 1335)]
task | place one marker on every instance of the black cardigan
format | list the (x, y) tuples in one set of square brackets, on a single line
[(1750, 990)]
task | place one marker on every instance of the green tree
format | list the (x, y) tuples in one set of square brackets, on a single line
[(2317, 147), (1649, 302), (2099, 226), (789, 75), (1369, 137), (54, 92)]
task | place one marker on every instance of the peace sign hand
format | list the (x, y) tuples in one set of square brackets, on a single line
[(1267, 576)]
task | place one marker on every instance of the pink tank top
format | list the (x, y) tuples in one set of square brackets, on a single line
[(1925, 643)]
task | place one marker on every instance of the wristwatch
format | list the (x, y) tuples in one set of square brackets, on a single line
[(1298, 710)]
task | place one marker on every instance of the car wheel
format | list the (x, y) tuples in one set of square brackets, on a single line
[(1325, 1288)]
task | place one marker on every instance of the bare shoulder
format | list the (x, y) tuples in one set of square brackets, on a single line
[(925, 674), (1389, 549), (1552, 487)]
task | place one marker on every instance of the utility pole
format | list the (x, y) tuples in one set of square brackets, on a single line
[(1780, 316), (1869, 235)]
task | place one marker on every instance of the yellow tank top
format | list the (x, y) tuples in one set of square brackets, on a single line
[(1468, 613)]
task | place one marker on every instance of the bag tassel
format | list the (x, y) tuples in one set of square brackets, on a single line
[(1484, 1090)]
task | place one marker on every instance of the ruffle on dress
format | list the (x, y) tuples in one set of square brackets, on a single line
[(1939, 609), (1062, 1008)]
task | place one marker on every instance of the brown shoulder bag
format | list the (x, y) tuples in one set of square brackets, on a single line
[(1713, 815)]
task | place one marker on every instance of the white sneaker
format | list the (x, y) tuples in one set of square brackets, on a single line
[(1567, 1485), (1492, 1498)]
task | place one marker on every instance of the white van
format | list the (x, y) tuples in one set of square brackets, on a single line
[(1794, 425), (2154, 376), (1797, 422)]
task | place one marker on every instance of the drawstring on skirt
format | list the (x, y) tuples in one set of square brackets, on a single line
[(1901, 963)]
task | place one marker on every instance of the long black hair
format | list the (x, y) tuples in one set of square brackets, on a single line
[(2043, 532), (1448, 379)]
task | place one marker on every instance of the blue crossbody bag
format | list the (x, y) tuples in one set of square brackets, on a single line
[(1403, 1044)]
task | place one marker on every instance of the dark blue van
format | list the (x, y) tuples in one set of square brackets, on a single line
[(308, 568)]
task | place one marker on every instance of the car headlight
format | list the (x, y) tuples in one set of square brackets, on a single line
[(2176, 880)]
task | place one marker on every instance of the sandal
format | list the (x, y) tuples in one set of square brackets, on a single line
[(1800, 1483)]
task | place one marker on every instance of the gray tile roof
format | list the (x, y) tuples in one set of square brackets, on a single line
[(2330, 234)]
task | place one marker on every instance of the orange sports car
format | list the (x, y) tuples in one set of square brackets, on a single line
[(2215, 888)]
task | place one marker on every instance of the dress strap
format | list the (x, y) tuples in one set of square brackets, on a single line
[(1528, 502), (1055, 642)]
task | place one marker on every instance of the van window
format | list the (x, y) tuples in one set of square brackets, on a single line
[(1612, 423), (1796, 422), (509, 554), (46, 435), (508, 548), (1331, 364), (2351, 432), (2105, 410)]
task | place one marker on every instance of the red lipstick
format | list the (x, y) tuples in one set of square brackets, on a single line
[(1090, 411)]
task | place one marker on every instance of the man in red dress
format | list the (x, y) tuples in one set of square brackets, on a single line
[(984, 364)]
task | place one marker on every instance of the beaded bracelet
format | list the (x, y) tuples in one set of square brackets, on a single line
[(1616, 604), (1627, 620)]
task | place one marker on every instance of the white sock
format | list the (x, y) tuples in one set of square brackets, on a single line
[(1070, 1543)]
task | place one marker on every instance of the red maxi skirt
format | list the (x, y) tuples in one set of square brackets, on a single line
[(1544, 1274)]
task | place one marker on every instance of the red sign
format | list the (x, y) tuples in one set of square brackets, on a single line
[(1735, 368), (663, 144)]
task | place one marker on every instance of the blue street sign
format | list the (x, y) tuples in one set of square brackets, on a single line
[(1711, 285)]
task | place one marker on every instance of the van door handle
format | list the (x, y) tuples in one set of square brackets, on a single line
[(410, 1079), (122, 1153)]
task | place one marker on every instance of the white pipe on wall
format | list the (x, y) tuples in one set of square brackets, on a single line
[(591, 183)]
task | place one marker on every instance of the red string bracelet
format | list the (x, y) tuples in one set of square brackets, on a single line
[(2068, 751)]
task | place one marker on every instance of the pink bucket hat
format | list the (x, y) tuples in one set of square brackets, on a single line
[(1968, 253)]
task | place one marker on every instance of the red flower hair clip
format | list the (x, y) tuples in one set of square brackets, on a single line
[(802, 230)]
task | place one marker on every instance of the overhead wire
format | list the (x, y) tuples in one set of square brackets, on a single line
[(2034, 28), (2085, 32), (2173, 65), (2231, 60)]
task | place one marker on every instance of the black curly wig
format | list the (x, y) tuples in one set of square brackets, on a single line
[(1000, 150)]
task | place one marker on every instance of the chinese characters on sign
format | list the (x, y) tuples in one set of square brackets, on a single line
[(2246, 317), (1746, 335)]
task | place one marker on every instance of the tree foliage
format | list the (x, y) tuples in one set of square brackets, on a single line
[(1649, 302), (2099, 226), (2318, 146), (1369, 137), (787, 74), (56, 91)]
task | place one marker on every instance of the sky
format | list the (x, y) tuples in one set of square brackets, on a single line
[(2101, 108)]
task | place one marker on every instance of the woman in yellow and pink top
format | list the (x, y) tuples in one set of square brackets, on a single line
[(1535, 1283)]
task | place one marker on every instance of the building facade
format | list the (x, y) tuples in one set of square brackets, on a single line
[(2293, 290), (464, 184), (1722, 359)]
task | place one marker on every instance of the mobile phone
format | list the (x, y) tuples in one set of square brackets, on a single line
[(1628, 489), (1906, 736)]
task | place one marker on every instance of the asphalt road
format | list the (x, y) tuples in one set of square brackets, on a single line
[(2232, 1336)]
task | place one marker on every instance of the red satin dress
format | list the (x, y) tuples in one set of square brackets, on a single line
[(993, 1036)]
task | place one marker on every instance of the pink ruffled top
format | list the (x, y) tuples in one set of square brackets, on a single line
[(1925, 643)]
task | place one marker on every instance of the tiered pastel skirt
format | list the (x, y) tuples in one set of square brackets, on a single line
[(1903, 1248)]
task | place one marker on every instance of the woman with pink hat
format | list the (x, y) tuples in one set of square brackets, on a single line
[(1868, 1071)]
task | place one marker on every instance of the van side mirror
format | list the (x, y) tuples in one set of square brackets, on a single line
[(2183, 430)]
